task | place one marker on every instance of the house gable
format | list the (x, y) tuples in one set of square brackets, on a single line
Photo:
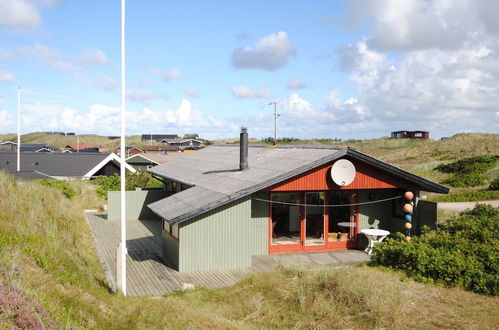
[(366, 177)]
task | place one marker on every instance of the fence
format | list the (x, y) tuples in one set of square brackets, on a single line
[(136, 204)]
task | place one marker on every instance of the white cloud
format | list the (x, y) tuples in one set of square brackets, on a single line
[(50, 56), (5, 118), (19, 14), (171, 74), (270, 53), (92, 56), (7, 77), (106, 120), (296, 83), (139, 95), (444, 76), (245, 92), (102, 83), (191, 92), (55, 59)]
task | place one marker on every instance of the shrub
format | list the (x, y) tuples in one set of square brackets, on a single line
[(477, 164), (63, 186), (464, 252), (468, 171), (466, 180), (494, 185), (113, 183), (470, 196)]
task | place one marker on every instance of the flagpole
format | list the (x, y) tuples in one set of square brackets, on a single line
[(18, 129), (122, 249)]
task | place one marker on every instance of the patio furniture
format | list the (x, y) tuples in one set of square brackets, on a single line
[(374, 236)]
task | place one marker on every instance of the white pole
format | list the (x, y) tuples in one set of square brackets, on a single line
[(18, 129), (122, 279)]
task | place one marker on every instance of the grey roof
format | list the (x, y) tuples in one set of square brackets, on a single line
[(52, 164), (214, 176)]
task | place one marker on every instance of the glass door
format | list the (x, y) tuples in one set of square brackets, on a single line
[(314, 218), (285, 218)]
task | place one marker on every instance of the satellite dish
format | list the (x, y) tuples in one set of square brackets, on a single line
[(343, 172)]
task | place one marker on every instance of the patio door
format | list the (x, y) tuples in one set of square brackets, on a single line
[(314, 219)]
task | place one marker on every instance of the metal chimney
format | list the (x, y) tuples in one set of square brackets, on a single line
[(243, 149)]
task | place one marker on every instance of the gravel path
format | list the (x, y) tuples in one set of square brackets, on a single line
[(461, 206)]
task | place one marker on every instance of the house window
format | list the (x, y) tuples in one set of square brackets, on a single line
[(418, 134), (175, 231)]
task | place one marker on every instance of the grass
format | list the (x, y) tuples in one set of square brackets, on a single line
[(46, 251)]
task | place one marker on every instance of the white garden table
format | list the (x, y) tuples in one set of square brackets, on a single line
[(374, 236)]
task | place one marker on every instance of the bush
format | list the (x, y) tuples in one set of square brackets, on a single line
[(466, 180), (477, 164), (494, 185), (113, 183), (464, 252), (468, 171), (63, 186), (470, 196)]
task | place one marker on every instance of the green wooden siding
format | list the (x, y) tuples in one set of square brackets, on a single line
[(224, 238), (136, 204), (380, 215), (170, 250), (376, 215)]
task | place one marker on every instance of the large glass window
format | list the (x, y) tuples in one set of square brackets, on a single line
[(341, 218), (285, 218), (314, 218)]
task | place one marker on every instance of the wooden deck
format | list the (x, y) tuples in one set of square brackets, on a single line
[(148, 274)]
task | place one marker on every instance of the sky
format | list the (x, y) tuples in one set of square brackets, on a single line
[(353, 69)]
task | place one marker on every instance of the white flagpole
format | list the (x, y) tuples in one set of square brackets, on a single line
[(122, 249), (18, 129)]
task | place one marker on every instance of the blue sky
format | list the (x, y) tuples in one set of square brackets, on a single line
[(339, 69)]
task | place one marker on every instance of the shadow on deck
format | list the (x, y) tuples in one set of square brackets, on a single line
[(149, 274)]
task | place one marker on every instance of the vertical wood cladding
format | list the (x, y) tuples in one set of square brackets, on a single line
[(366, 177)]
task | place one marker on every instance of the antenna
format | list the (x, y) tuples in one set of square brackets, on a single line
[(276, 115)]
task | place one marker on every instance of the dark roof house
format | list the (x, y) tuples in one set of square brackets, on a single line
[(229, 204), (157, 137), (83, 146), (410, 135), (61, 165), (26, 147), (141, 162)]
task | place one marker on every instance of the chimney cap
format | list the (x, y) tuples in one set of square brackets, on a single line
[(244, 130)]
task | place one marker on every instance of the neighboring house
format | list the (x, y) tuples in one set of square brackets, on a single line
[(410, 135), (83, 147), (129, 151), (55, 133), (157, 137), (183, 143), (62, 166), (154, 149), (289, 199), (26, 147), (191, 136), (141, 162)]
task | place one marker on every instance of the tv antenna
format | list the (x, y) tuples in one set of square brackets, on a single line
[(276, 115)]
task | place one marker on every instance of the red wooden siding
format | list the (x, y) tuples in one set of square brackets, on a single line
[(320, 179)]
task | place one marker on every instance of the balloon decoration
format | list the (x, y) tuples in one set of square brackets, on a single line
[(408, 209)]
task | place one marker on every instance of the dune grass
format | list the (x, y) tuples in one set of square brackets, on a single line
[(47, 254)]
